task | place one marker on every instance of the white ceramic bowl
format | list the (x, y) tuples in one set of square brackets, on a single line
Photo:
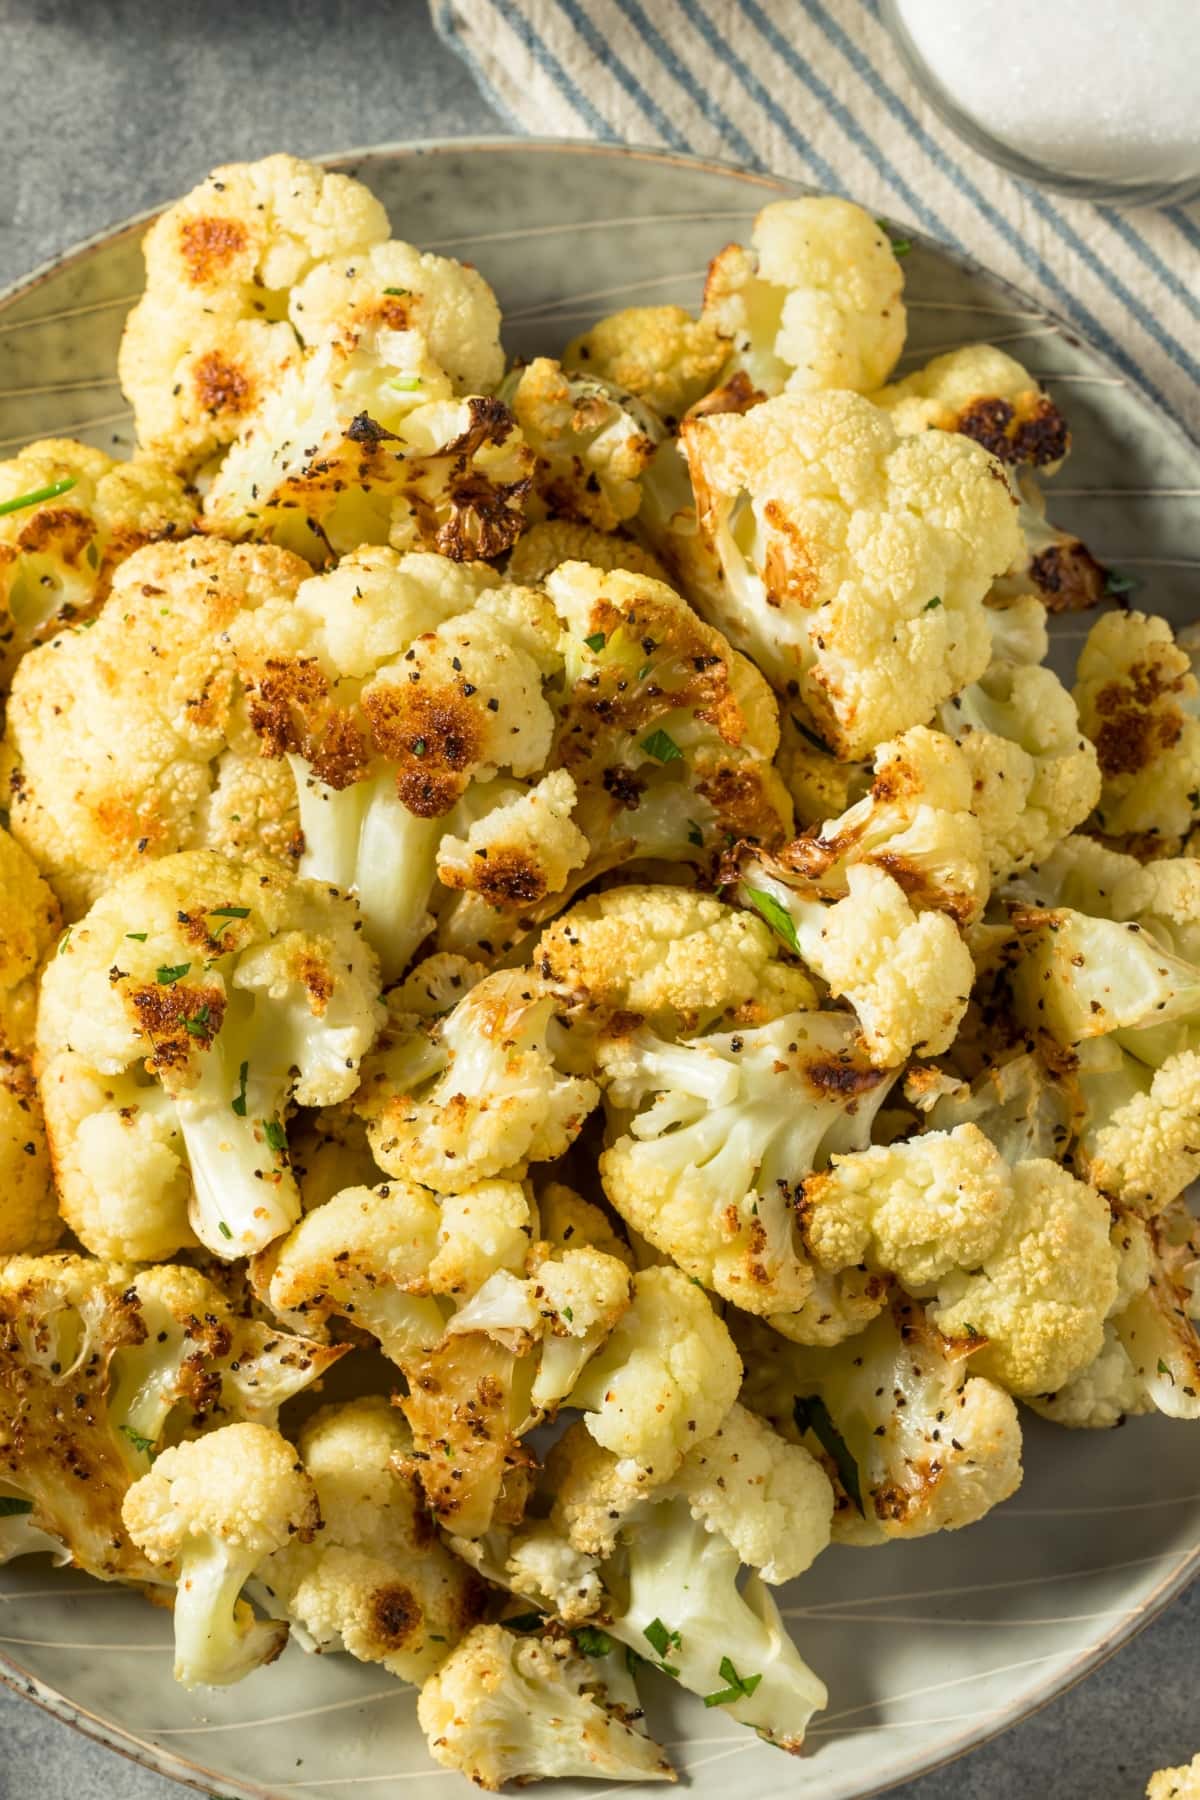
[(927, 1648)]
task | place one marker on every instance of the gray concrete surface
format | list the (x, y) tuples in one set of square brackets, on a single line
[(109, 109)]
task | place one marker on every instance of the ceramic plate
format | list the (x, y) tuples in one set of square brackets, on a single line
[(927, 1648)]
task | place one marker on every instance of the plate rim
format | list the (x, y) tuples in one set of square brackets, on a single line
[(24, 1682)]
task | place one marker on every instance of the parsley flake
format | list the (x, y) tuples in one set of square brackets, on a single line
[(775, 914), (405, 384), (143, 1444), (36, 495), (1163, 1370), (930, 604), (695, 835), (592, 1641), (900, 245), (811, 1414), (275, 1135), (64, 940), (662, 747), (660, 1638), (568, 1315), (223, 1228), (399, 293), (419, 746), (167, 974), (238, 1103), (1117, 583), (139, 937), (740, 1687), (596, 642), (197, 1024)]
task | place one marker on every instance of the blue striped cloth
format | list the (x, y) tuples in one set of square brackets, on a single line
[(814, 89)]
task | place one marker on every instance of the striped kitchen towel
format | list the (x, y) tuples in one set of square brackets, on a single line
[(814, 89)]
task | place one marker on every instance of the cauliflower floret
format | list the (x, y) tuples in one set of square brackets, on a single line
[(591, 440), (366, 446), (658, 353), (504, 1707), (1162, 896), (1079, 977), (917, 1441), (210, 335), (375, 1582), (664, 1380), (820, 785), (567, 1219), (1035, 776), (667, 733), (196, 1000), (1176, 1784), (29, 920), (815, 303), (678, 958), (455, 1099), (397, 688), (907, 974), (1139, 702), (544, 546), (712, 1137), (214, 1510), (855, 562), (131, 740), (1040, 1295), (69, 516), (917, 1210)]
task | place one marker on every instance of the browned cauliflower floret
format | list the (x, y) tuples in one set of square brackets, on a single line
[(131, 740), (69, 516), (553, 541), (29, 921), (658, 353), (591, 440)]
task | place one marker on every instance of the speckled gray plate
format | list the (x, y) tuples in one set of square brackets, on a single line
[(929, 1648)]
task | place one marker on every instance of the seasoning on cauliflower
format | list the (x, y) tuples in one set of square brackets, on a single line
[(712, 1137), (490, 1326), (660, 354), (680, 960), (1035, 776), (178, 1022), (666, 732), (398, 688), (29, 921), (69, 516), (1176, 1784), (477, 1091), (664, 1379), (853, 562), (210, 335), (815, 303), (553, 541), (1139, 703), (212, 1511), (353, 447), (591, 441), (97, 1367), (375, 1582), (917, 1441), (504, 1707), (131, 740), (984, 394)]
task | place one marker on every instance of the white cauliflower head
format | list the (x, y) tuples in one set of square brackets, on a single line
[(658, 353), (591, 440)]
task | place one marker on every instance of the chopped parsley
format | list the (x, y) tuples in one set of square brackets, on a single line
[(197, 1024), (930, 604), (900, 245), (419, 746), (230, 912), (592, 1641), (662, 747), (776, 915), (1163, 1370), (223, 1228), (596, 641), (740, 1687), (12, 1508), (644, 671), (64, 940), (695, 835), (139, 937), (662, 1640), (36, 495), (167, 974), (238, 1103), (1116, 583), (399, 293), (143, 1444), (275, 1135), (568, 1315), (405, 384), (811, 1414)]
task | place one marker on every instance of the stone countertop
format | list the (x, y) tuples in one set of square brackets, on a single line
[(116, 108)]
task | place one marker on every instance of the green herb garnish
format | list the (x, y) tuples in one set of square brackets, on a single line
[(405, 384), (143, 1444), (419, 746), (660, 1638), (64, 940), (811, 1414), (230, 912), (1163, 1370), (1117, 583), (695, 835), (900, 246), (592, 1641), (223, 1228), (400, 293), (197, 1024), (662, 747), (238, 1103), (596, 642), (776, 915), (167, 974), (36, 495), (274, 1133), (139, 937), (739, 1688), (930, 604)]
